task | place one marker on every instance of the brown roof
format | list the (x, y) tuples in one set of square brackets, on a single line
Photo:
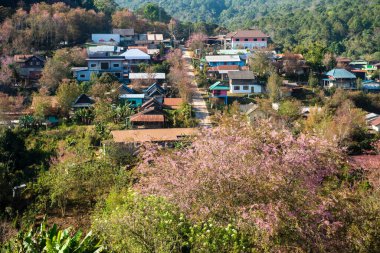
[(375, 122), (22, 57), (173, 102), (147, 118), (144, 49), (254, 33), (151, 135), (228, 67)]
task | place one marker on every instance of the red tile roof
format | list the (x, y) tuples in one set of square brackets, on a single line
[(228, 67), (147, 118)]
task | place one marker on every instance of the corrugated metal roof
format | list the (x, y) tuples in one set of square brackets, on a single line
[(254, 33), (340, 73), (147, 76), (135, 54), (241, 75), (152, 135), (223, 58)]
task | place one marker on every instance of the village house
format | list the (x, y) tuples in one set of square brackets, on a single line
[(104, 50), (99, 65), (127, 36), (220, 60), (29, 66), (246, 39), (221, 72), (134, 57), (82, 102), (219, 90), (151, 115), (243, 82), (339, 78), (106, 39)]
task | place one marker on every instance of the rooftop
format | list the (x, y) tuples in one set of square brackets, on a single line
[(241, 75), (135, 54), (253, 33), (124, 32), (173, 102), (153, 135), (147, 76), (223, 58), (340, 73), (219, 86)]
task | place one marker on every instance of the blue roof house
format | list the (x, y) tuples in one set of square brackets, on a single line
[(340, 78), (219, 60)]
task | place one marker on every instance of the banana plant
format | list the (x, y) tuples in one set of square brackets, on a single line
[(53, 240)]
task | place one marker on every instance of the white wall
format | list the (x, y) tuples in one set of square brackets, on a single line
[(252, 87)]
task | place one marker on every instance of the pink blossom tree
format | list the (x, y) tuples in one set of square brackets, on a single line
[(259, 177)]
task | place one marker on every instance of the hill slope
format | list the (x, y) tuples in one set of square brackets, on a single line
[(349, 26)]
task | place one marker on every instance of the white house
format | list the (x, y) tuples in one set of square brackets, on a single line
[(249, 39), (243, 82)]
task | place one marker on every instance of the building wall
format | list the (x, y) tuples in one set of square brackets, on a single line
[(248, 44), (246, 89), (95, 65), (219, 93), (216, 64)]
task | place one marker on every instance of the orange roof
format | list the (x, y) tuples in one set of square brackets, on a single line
[(173, 102), (151, 135), (147, 118), (228, 67)]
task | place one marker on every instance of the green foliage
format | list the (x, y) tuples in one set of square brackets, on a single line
[(273, 87), (182, 117), (67, 93), (53, 240), (129, 222), (313, 80), (154, 13), (290, 110), (106, 6)]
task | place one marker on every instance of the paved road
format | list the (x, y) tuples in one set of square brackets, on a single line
[(198, 103)]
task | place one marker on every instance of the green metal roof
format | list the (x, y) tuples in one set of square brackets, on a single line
[(219, 86), (340, 73)]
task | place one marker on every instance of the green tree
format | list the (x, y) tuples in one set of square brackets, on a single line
[(313, 80), (261, 64), (66, 95), (274, 87), (106, 6)]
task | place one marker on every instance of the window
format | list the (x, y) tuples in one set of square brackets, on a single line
[(116, 65), (245, 39), (118, 75), (237, 39), (104, 65), (263, 39), (236, 87), (245, 87), (254, 39), (93, 65), (82, 76)]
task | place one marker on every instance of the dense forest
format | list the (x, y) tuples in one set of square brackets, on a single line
[(345, 27)]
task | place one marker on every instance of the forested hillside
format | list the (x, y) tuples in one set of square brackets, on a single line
[(350, 27)]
